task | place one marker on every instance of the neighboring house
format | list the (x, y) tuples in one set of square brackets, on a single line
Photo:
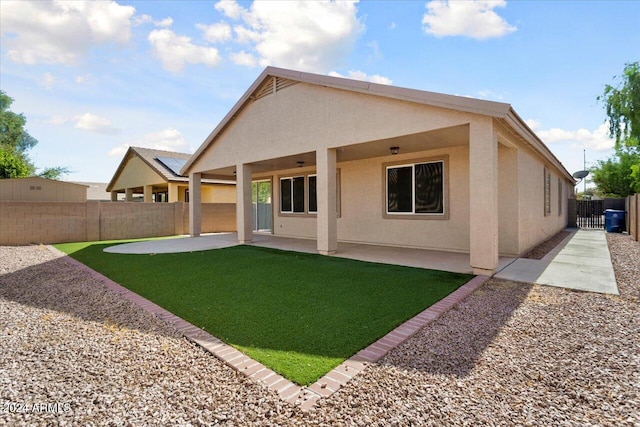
[(98, 191), (155, 175), (37, 189), (367, 163)]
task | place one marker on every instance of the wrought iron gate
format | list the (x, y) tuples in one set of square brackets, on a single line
[(590, 213)]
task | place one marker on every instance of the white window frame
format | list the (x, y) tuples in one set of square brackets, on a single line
[(304, 195), (413, 190), (315, 175)]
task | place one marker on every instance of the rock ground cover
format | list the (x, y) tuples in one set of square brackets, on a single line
[(509, 354)]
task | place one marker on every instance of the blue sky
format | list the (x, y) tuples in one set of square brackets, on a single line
[(95, 77)]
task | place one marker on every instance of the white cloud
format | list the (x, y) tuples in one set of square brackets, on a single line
[(61, 32), (166, 22), (475, 19), (244, 58), (93, 123), (303, 35), (48, 80), (229, 8), (360, 75), (58, 120), (142, 19), (532, 123), (174, 51), (393, 26), (597, 140), (215, 33), (169, 139)]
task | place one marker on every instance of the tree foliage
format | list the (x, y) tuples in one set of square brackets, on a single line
[(622, 105), (618, 176), (15, 141)]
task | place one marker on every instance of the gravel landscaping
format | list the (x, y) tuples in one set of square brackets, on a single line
[(510, 354)]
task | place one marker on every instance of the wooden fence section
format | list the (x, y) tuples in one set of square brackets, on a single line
[(633, 216), (23, 223)]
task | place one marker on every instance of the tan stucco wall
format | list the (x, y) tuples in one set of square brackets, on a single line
[(534, 225), (23, 223), (137, 173), (508, 206), (218, 193), (43, 190), (276, 126), (362, 205)]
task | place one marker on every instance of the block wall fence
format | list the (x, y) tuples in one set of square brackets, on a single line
[(23, 223), (633, 216)]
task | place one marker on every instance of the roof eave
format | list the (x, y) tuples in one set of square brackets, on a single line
[(520, 126), (471, 105)]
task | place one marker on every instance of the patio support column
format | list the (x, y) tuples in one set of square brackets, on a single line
[(128, 194), (244, 210), (148, 193), (195, 205), (327, 222), (114, 196), (483, 196), (172, 192)]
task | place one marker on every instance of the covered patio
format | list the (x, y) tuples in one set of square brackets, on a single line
[(469, 172), (419, 258)]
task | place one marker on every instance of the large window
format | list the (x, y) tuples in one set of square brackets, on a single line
[(298, 194), (292, 195), (416, 188)]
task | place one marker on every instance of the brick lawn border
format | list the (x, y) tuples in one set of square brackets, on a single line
[(303, 397)]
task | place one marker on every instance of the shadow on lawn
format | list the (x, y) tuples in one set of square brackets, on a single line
[(453, 344), (58, 286)]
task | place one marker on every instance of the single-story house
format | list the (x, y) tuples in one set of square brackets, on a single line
[(360, 162), (38, 189), (155, 174)]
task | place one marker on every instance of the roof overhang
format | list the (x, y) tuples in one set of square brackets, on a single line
[(493, 109)]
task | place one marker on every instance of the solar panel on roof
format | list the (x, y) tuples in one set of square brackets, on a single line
[(174, 165)]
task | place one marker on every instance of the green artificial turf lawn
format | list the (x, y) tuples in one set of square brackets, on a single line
[(299, 314)]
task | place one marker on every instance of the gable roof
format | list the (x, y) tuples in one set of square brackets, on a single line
[(151, 158), (273, 78)]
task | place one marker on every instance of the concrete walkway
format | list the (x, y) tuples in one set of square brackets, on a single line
[(582, 262)]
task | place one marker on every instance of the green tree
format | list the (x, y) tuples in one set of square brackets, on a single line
[(622, 105), (15, 141), (615, 176)]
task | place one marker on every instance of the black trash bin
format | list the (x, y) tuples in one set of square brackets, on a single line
[(614, 221)]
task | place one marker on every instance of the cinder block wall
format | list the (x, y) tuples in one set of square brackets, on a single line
[(23, 223), (136, 220)]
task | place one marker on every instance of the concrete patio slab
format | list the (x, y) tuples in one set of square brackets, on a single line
[(409, 257), (179, 244), (581, 262)]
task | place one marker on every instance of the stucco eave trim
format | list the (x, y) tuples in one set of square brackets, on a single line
[(521, 127)]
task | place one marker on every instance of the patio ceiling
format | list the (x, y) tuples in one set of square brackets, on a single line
[(431, 140)]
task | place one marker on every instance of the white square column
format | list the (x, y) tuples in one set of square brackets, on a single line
[(327, 222), (128, 194), (195, 204), (244, 209), (483, 196)]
